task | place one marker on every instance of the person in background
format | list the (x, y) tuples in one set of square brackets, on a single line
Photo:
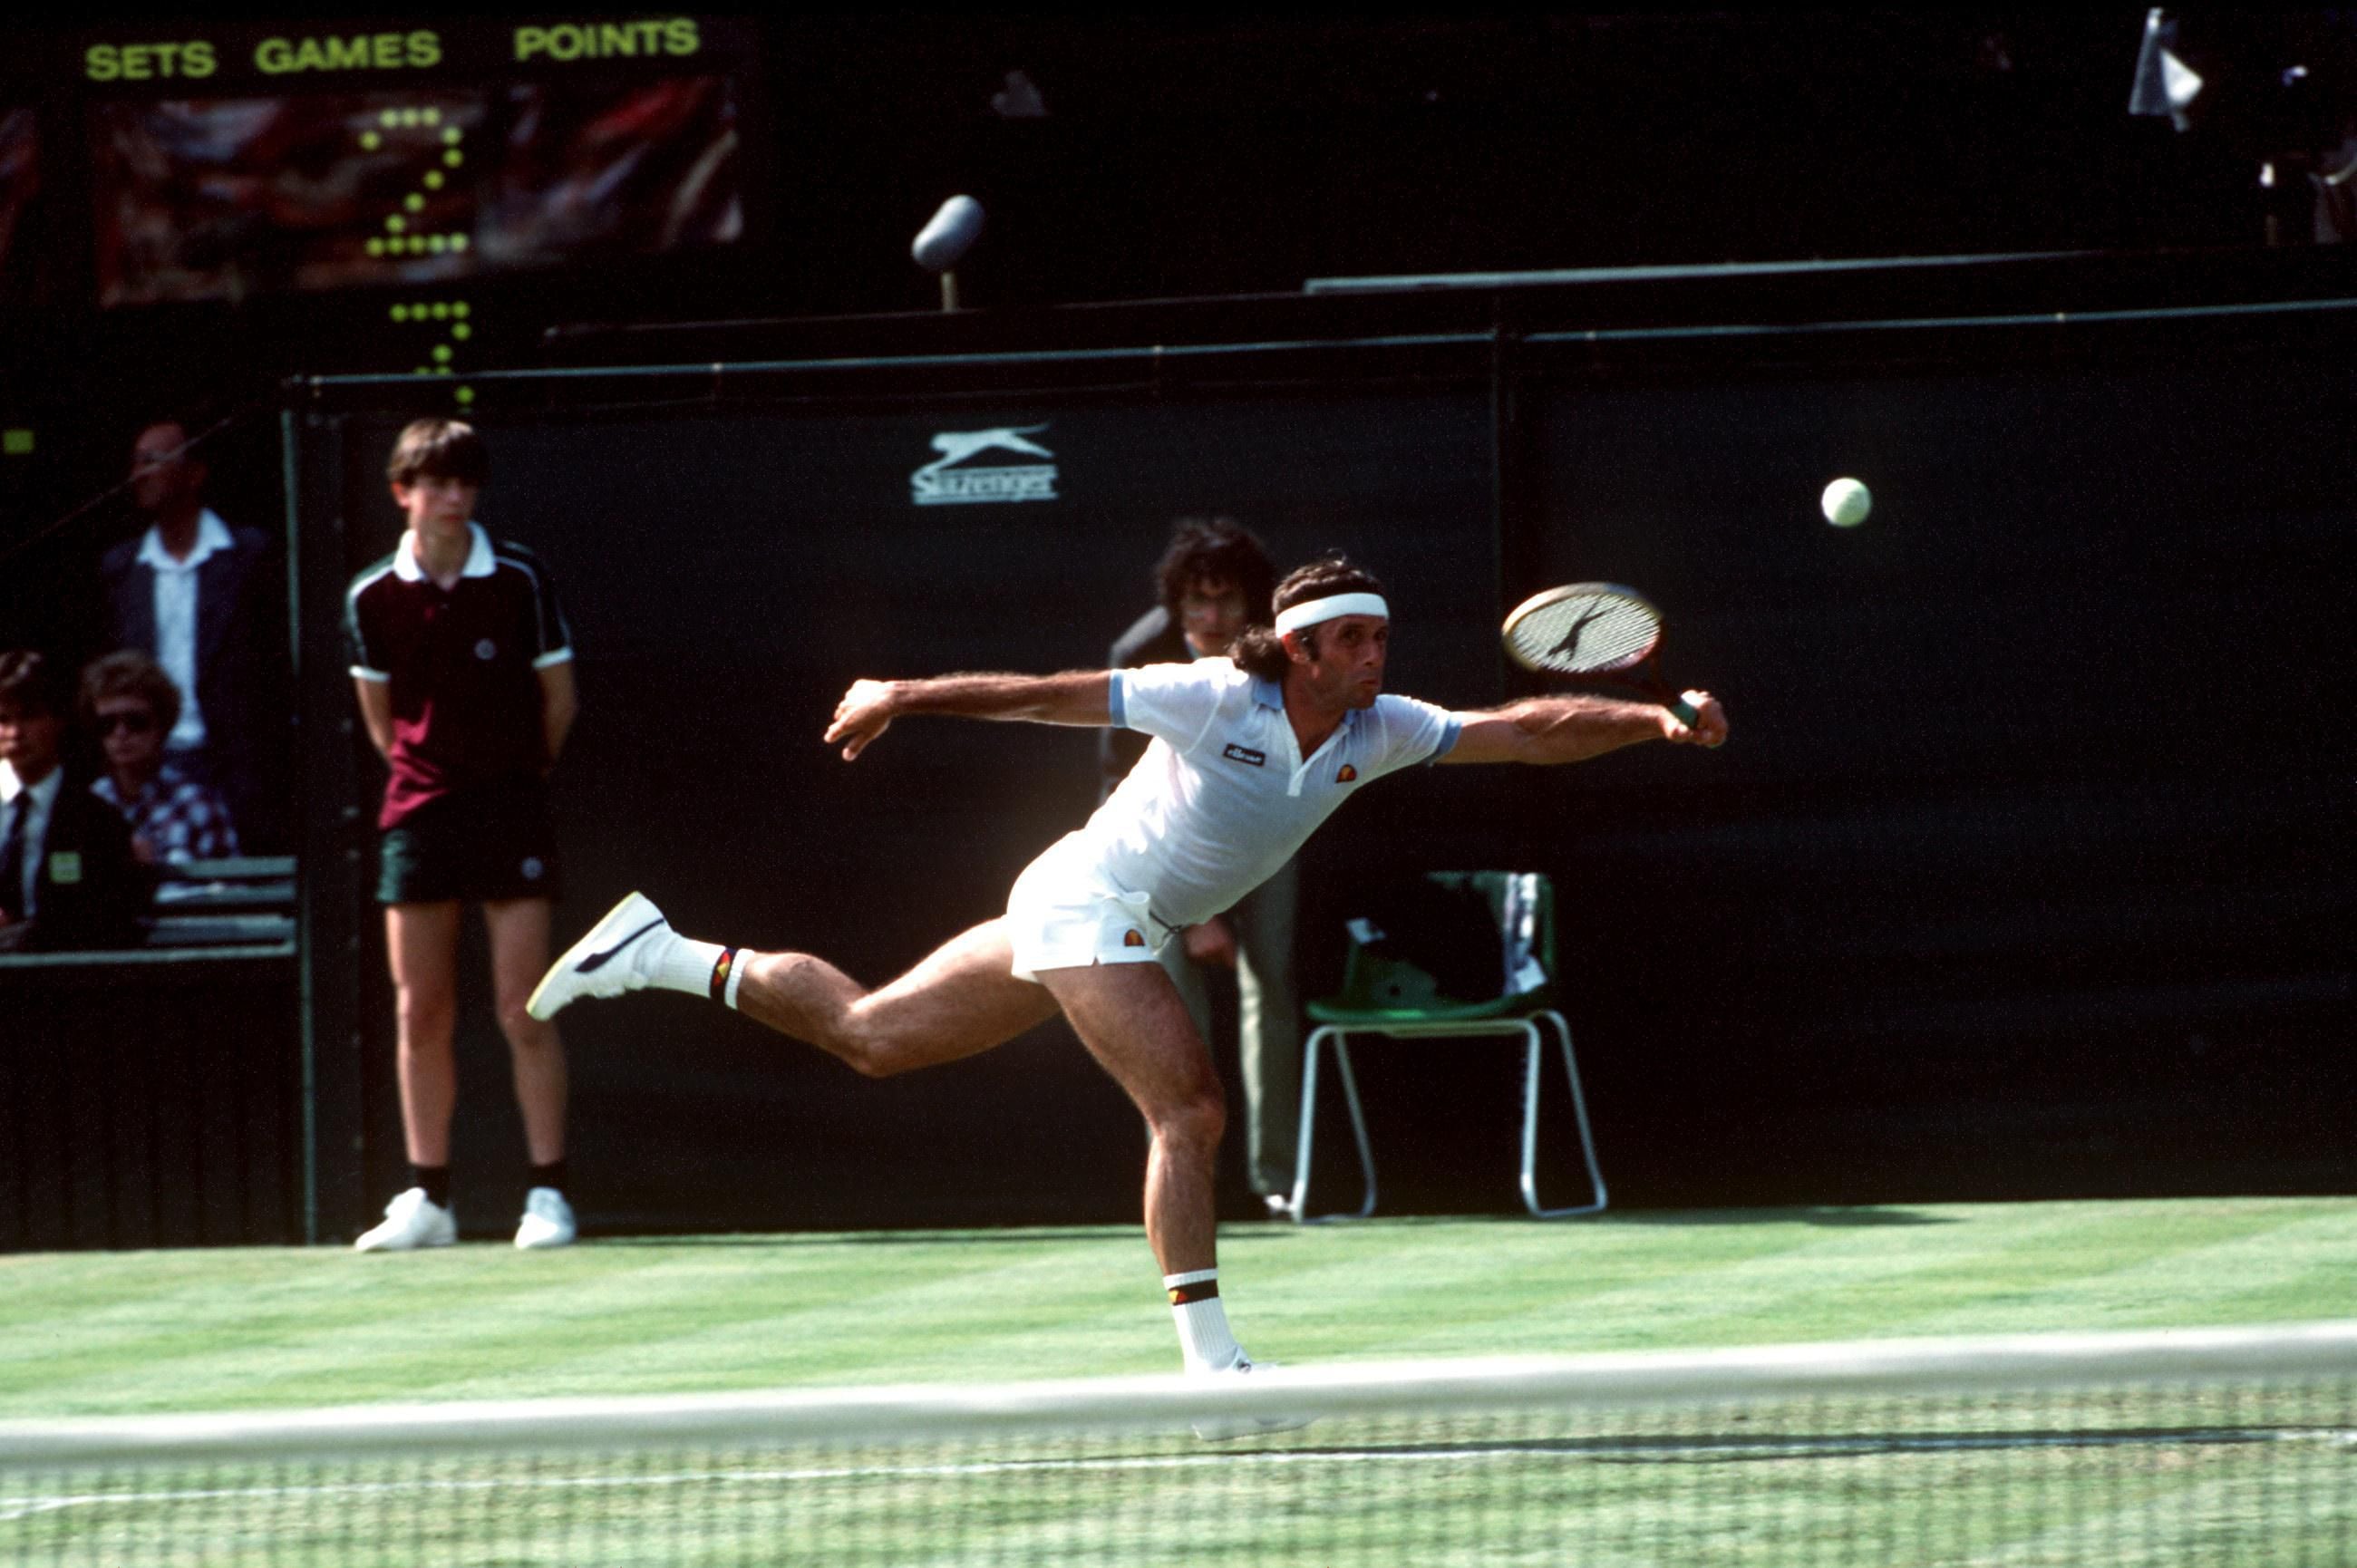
[(130, 704), (1213, 581), (202, 600), (67, 876), (462, 664)]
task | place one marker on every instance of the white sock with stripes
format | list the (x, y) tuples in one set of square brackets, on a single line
[(1203, 1335), (682, 963)]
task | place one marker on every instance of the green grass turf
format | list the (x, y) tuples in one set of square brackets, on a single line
[(118, 1333)]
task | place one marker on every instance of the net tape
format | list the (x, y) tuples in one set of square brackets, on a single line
[(1968, 1366)]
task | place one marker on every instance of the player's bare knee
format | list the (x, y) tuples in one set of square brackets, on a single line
[(1193, 1123)]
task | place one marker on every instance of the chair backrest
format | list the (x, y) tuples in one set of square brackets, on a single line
[(1454, 937), (1524, 901)]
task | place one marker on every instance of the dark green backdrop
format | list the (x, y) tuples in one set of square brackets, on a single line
[(2026, 872)]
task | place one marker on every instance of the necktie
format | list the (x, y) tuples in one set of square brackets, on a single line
[(11, 854)]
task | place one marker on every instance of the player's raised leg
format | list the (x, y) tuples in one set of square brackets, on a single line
[(961, 1000), (958, 1001)]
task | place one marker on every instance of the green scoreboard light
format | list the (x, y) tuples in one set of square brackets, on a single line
[(444, 326), (443, 150)]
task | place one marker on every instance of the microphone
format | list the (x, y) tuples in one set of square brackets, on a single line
[(950, 233)]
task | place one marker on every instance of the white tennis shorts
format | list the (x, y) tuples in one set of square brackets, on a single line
[(1063, 913)]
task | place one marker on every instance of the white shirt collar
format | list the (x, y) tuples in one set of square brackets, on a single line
[(479, 564), (44, 793), (212, 534)]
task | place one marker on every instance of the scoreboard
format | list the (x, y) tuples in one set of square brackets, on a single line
[(191, 208), (235, 161), (232, 161)]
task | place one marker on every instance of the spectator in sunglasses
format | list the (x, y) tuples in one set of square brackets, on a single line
[(131, 706)]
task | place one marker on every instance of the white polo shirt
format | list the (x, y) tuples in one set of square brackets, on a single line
[(1223, 797), (176, 618)]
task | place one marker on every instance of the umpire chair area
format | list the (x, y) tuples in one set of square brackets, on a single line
[(1471, 955)]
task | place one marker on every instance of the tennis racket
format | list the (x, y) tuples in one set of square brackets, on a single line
[(1597, 632)]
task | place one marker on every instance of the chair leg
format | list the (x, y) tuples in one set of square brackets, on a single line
[(1310, 1048), (1533, 1052)]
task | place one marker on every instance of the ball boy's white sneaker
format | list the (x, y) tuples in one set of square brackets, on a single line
[(410, 1220), (547, 1221)]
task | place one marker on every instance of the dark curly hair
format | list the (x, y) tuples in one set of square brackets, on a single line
[(1217, 550)]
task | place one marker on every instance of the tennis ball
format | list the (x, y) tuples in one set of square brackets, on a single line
[(1845, 503)]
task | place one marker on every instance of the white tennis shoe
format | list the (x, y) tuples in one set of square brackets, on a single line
[(1220, 1428), (547, 1221), (616, 955), (410, 1220)]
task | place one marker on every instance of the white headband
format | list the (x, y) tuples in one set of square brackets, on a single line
[(1293, 617)]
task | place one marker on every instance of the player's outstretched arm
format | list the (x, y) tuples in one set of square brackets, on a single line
[(1074, 697), (1545, 730)]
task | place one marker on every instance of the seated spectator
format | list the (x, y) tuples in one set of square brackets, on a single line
[(131, 706), (67, 876)]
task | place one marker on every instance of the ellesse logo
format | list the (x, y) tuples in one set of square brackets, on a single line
[(1235, 753), (1349, 775), (1132, 938)]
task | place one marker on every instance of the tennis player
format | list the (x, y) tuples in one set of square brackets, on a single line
[(1249, 754)]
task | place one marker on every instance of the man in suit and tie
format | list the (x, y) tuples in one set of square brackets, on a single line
[(201, 599), (68, 876)]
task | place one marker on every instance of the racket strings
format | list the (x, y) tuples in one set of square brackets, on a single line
[(1586, 635)]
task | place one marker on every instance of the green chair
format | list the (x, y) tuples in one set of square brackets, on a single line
[(1386, 993)]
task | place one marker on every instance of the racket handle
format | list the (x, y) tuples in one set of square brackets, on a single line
[(1686, 712)]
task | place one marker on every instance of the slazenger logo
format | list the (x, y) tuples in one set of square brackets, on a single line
[(953, 479), (1235, 753)]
